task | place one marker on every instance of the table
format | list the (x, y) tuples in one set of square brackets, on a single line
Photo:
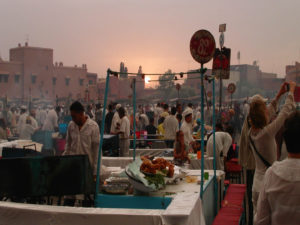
[(186, 209), (20, 144), (149, 152), (116, 161), (124, 161), (208, 163)]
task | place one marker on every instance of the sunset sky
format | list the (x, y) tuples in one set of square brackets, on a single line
[(152, 33)]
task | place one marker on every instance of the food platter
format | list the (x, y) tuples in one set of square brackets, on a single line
[(154, 180)]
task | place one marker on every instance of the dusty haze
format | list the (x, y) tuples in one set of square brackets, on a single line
[(152, 33)]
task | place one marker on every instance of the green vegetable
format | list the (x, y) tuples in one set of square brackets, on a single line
[(157, 179)]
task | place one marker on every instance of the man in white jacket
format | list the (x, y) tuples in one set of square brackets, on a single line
[(279, 199), (223, 143), (187, 128), (171, 126)]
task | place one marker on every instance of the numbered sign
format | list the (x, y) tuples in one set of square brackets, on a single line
[(202, 46)]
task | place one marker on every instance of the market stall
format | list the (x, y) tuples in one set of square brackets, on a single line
[(185, 208), (124, 161)]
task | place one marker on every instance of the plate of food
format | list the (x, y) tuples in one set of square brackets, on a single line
[(157, 166)]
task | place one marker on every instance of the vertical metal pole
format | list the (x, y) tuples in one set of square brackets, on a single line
[(101, 137), (214, 149), (134, 122), (202, 130)]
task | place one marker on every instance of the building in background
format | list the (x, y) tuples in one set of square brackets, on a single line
[(31, 73), (293, 72)]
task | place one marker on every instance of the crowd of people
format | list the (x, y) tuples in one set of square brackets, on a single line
[(266, 137)]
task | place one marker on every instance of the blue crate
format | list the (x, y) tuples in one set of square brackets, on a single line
[(132, 202)]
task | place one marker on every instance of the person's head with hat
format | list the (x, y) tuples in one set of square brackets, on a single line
[(188, 115), (23, 109)]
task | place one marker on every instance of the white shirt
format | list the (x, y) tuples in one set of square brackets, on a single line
[(51, 121), (223, 143), (124, 128), (171, 126), (42, 117), (28, 130), (198, 115), (22, 122), (145, 119), (279, 199), (187, 128), (84, 141), (115, 120)]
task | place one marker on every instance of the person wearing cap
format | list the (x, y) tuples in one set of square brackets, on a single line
[(262, 133), (187, 128), (115, 121), (143, 121)]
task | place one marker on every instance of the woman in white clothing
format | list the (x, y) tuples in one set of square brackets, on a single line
[(262, 133)]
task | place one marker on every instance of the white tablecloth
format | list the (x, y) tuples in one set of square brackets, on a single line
[(185, 209), (208, 163), (116, 161)]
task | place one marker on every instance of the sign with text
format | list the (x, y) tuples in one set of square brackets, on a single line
[(221, 63), (202, 46)]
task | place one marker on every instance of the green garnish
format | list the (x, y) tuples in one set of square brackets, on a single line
[(157, 179)]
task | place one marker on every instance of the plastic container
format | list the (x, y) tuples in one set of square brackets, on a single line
[(198, 154)]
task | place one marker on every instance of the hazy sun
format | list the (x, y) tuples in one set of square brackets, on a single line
[(147, 80)]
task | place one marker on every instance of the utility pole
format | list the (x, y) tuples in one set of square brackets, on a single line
[(222, 29)]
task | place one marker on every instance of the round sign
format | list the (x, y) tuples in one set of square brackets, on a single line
[(209, 94), (231, 88), (202, 46)]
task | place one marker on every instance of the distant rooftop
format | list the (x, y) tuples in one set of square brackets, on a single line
[(30, 47)]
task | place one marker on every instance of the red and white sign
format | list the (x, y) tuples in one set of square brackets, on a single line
[(202, 46), (231, 88)]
